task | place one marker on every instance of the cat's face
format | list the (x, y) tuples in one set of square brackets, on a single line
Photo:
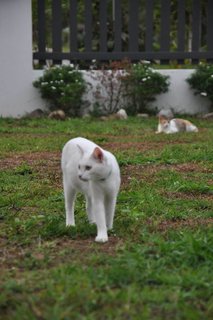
[(164, 122), (93, 167)]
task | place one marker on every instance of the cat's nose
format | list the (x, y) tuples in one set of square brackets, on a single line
[(80, 176)]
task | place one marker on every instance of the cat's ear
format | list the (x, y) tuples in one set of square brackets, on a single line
[(98, 154), (81, 150)]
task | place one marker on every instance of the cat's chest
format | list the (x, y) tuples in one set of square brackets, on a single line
[(172, 127), (93, 187)]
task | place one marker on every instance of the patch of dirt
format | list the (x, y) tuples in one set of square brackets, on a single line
[(189, 195), (18, 159), (87, 246), (45, 164), (148, 171), (176, 224), (190, 167), (138, 172), (63, 250), (139, 146)]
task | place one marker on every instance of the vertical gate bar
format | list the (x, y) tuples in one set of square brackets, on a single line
[(209, 28), (73, 25), (133, 25), (41, 29), (103, 25), (165, 28), (117, 25), (149, 25), (196, 26), (88, 25), (57, 28), (181, 28)]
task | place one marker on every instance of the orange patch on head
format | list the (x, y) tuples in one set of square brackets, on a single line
[(163, 118)]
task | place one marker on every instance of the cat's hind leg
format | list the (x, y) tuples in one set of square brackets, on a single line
[(100, 219), (90, 213), (69, 196), (110, 203), (102, 235), (98, 209)]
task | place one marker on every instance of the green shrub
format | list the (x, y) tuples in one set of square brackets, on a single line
[(202, 81), (141, 84), (63, 87)]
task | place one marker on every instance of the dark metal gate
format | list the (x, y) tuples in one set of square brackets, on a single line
[(159, 30)]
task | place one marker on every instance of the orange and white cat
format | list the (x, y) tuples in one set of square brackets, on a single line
[(93, 171), (175, 125)]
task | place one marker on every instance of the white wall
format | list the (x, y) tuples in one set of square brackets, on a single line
[(180, 96), (17, 94)]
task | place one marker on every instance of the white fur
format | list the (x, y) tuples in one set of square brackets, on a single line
[(100, 183), (191, 128), (170, 127)]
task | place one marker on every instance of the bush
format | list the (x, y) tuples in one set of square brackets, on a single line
[(141, 84), (202, 81), (63, 87)]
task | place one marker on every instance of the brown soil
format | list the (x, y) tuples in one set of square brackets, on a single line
[(14, 257), (189, 195), (177, 224), (139, 146), (13, 161)]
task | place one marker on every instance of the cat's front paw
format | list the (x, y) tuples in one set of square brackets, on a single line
[(70, 224), (101, 239)]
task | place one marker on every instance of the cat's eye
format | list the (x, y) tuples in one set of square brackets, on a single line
[(79, 167), (88, 168)]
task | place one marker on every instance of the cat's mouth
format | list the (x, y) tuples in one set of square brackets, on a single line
[(83, 179)]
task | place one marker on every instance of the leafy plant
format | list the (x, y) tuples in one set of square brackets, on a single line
[(202, 81), (142, 83), (63, 86)]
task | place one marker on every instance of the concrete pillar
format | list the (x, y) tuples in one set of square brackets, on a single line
[(17, 94)]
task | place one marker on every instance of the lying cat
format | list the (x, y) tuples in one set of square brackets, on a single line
[(89, 169), (175, 125)]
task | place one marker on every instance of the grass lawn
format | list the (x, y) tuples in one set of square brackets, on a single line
[(158, 263)]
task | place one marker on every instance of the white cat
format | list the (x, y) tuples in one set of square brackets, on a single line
[(89, 169), (175, 125)]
